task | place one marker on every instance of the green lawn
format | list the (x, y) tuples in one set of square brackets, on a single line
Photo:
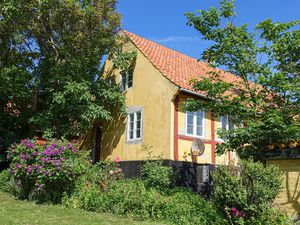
[(16, 212)]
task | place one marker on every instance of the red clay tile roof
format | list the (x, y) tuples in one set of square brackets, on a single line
[(175, 66)]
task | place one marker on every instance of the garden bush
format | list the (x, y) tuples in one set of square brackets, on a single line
[(44, 172), (157, 176), (138, 199), (246, 194)]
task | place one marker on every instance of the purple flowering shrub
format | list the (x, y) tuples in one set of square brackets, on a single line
[(44, 172)]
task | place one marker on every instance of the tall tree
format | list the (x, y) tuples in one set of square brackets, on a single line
[(50, 65), (265, 97)]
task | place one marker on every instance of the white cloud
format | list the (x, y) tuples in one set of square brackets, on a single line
[(176, 39)]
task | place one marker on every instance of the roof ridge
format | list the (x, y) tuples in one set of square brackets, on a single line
[(177, 67), (171, 49)]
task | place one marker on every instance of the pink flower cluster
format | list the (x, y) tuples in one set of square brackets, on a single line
[(237, 213)]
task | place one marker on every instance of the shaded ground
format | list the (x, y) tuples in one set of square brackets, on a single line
[(16, 212)]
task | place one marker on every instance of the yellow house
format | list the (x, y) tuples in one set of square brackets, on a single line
[(156, 91)]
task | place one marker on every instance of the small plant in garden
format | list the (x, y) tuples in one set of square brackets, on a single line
[(155, 175), (102, 174), (245, 195), (44, 172), (97, 179)]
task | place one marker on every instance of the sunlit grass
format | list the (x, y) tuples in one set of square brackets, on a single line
[(15, 212)]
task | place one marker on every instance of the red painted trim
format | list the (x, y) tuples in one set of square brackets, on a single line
[(213, 144), (190, 138), (176, 101)]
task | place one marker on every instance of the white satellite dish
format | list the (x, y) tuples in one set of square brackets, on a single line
[(198, 147)]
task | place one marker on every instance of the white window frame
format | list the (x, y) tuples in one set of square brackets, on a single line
[(126, 73), (227, 123), (133, 111), (195, 124), (227, 126)]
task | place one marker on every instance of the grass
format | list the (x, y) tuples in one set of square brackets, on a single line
[(17, 212)]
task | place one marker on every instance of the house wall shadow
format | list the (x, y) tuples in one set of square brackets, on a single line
[(112, 132), (289, 197)]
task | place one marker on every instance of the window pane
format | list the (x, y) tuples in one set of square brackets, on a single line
[(131, 127), (138, 124), (224, 122), (190, 129), (199, 118), (123, 81), (190, 118), (199, 114), (199, 131), (138, 116), (131, 134), (131, 117), (129, 77), (138, 133)]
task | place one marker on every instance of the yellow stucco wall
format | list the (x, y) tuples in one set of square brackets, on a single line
[(154, 93), (288, 199)]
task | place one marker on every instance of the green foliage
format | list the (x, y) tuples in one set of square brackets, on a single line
[(266, 96), (44, 172), (155, 175), (123, 60), (4, 181), (133, 198), (102, 189), (245, 195), (50, 66), (103, 174)]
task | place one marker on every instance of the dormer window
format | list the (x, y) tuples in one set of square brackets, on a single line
[(126, 80)]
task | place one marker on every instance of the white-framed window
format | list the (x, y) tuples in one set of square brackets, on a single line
[(225, 123), (126, 80), (195, 124), (134, 125)]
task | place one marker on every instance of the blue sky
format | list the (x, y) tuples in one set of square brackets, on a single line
[(163, 21)]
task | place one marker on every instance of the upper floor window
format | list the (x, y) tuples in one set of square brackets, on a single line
[(126, 80), (134, 125), (195, 124)]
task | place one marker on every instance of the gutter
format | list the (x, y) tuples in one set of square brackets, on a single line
[(193, 93)]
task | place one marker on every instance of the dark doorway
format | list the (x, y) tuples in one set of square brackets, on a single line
[(97, 144)]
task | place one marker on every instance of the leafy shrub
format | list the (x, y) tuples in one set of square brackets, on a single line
[(44, 172), (246, 195), (133, 197), (102, 174), (96, 179), (155, 175)]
